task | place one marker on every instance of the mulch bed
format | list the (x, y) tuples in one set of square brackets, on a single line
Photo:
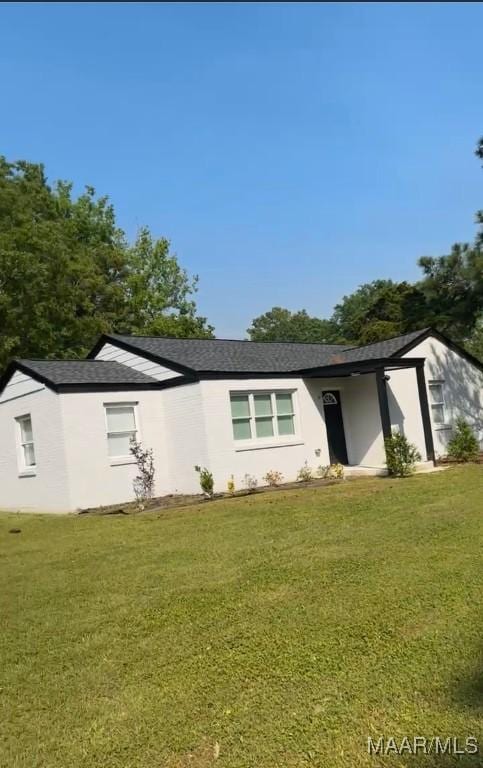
[(186, 500)]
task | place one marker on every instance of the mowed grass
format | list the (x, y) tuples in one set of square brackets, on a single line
[(267, 631)]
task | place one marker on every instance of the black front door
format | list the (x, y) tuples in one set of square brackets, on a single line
[(335, 426)]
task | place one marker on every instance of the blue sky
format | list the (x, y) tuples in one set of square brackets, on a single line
[(290, 152)]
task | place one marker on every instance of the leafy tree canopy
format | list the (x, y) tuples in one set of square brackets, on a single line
[(68, 274), (282, 325)]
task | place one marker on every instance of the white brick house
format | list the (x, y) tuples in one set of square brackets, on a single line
[(235, 407)]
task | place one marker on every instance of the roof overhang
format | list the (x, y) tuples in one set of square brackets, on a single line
[(359, 367)]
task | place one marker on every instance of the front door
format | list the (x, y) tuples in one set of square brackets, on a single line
[(335, 426)]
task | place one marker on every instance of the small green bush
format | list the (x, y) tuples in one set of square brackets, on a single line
[(206, 480), (463, 446), (401, 455)]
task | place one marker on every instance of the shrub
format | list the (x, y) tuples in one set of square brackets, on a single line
[(231, 484), (250, 482), (337, 471), (305, 474), (401, 455), (206, 480), (273, 477), (463, 446), (143, 483)]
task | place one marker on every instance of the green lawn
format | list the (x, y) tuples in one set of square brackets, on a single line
[(280, 629)]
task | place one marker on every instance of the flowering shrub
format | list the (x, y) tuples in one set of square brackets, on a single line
[(143, 483), (273, 477), (305, 474)]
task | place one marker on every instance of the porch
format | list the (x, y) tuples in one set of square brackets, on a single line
[(362, 403)]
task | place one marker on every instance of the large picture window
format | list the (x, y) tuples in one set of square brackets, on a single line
[(121, 428), (262, 415)]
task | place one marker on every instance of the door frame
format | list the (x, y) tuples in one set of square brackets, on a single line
[(332, 458)]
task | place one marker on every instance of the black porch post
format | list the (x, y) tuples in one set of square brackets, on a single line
[(383, 402), (423, 404)]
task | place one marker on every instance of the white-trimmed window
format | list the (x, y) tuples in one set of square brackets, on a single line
[(121, 428), (262, 415), (436, 399), (26, 443)]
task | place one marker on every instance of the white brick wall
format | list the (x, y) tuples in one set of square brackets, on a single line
[(48, 490)]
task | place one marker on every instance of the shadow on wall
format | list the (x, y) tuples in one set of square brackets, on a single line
[(462, 390), (397, 416)]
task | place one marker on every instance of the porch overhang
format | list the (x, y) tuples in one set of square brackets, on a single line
[(380, 367), (360, 367)]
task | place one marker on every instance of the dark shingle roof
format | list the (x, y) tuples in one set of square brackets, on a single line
[(387, 348), (233, 356), (84, 372)]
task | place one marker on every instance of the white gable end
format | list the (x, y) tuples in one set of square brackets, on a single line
[(137, 362), (461, 389), (19, 385)]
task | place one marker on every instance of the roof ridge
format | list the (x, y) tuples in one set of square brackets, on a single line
[(241, 341), (391, 338)]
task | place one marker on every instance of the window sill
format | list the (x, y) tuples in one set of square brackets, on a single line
[(439, 427), (28, 473), (121, 461), (252, 446)]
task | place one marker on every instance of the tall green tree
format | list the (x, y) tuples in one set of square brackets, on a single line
[(283, 325), (159, 293), (379, 310), (67, 272)]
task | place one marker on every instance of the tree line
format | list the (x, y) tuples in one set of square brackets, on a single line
[(69, 273)]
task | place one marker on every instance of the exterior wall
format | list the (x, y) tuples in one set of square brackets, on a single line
[(228, 457), (48, 489), (19, 385), (404, 406), (95, 478), (463, 389), (186, 436), (118, 355)]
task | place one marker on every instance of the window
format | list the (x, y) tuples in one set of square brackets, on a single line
[(436, 399), (262, 415), (26, 440), (121, 428)]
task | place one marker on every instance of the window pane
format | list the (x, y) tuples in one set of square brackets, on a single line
[(438, 414), (264, 427), (119, 445), (436, 393), (284, 404), (285, 425), (26, 430), (120, 418), (29, 455), (239, 406), (263, 405), (241, 429)]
